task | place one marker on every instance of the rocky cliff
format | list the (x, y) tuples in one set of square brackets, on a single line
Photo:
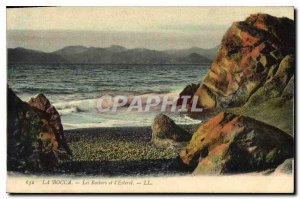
[(254, 67), (251, 83), (249, 56), (35, 138)]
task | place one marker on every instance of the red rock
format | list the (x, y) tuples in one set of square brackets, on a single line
[(229, 143), (51, 118), (244, 59)]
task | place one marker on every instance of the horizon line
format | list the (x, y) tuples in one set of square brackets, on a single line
[(216, 46)]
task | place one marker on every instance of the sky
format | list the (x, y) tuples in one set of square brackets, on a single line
[(159, 28)]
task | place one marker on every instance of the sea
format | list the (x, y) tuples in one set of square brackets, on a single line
[(73, 89)]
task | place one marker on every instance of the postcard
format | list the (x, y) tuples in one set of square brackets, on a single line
[(150, 99)]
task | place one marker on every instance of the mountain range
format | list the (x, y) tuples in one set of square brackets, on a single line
[(114, 54)]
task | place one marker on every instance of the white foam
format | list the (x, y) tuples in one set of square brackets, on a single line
[(75, 106)]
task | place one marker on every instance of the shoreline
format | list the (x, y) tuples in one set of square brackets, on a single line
[(88, 129), (118, 151)]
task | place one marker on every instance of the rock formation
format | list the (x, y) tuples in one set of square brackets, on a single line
[(33, 140), (252, 77), (48, 112), (229, 143), (256, 56), (165, 128)]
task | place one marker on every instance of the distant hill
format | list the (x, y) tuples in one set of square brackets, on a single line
[(208, 53), (112, 55), (116, 49), (26, 56), (69, 50), (194, 58)]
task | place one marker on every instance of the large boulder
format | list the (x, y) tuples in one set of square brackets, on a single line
[(33, 142), (49, 113), (254, 53), (164, 128), (229, 143)]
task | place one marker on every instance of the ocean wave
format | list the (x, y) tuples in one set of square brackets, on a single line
[(110, 123), (129, 122), (191, 120), (67, 107), (85, 105), (70, 110)]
